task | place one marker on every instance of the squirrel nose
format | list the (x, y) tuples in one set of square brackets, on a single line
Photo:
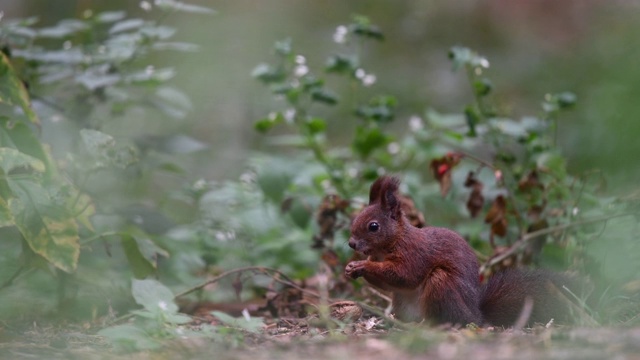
[(352, 243)]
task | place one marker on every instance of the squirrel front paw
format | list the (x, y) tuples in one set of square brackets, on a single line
[(354, 269)]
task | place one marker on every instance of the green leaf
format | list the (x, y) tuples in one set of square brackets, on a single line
[(110, 16), (6, 219), (509, 127), (268, 74), (473, 118), (140, 266), (97, 142), (13, 91), (300, 213), (379, 109), (126, 25), (183, 7), (253, 325), (369, 139), (316, 125), (266, 124), (465, 57), (274, 177), (151, 77), (129, 338), (153, 296), (482, 87), (556, 102), (11, 159), (552, 163), (173, 101), (362, 27), (48, 228), (324, 96), (341, 64), (283, 47), (93, 79)]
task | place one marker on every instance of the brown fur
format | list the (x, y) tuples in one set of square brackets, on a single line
[(432, 272)]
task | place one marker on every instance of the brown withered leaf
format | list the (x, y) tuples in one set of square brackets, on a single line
[(530, 181), (441, 170), (476, 200), (330, 258), (496, 216), (411, 212), (285, 206), (327, 217)]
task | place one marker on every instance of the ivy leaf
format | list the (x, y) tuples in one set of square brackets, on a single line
[(13, 91)]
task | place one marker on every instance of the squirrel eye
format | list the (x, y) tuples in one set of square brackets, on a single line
[(374, 226)]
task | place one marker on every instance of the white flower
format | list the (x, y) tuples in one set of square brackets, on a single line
[(415, 123), (340, 36), (145, 5), (393, 148), (300, 70), (369, 80), (163, 305)]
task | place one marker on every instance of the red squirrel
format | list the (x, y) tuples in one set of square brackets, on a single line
[(432, 273)]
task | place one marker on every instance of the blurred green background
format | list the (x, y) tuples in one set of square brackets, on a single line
[(591, 48)]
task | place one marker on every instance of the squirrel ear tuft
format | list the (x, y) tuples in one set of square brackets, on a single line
[(385, 192)]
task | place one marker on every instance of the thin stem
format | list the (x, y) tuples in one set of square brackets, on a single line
[(522, 242), (264, 270)]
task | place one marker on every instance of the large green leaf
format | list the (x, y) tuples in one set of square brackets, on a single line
[(154, 296), (11, 159), (47, 227), (13, 91), (18, 135), (6, 219), (140, 266)]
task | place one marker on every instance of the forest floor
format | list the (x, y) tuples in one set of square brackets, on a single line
[(367, 338)]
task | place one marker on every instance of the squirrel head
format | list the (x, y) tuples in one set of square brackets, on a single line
[(375, 230)]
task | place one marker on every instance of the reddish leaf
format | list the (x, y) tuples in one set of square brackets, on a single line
[(441, 169)]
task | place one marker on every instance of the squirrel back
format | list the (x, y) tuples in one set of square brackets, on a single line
[(432, 273)]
